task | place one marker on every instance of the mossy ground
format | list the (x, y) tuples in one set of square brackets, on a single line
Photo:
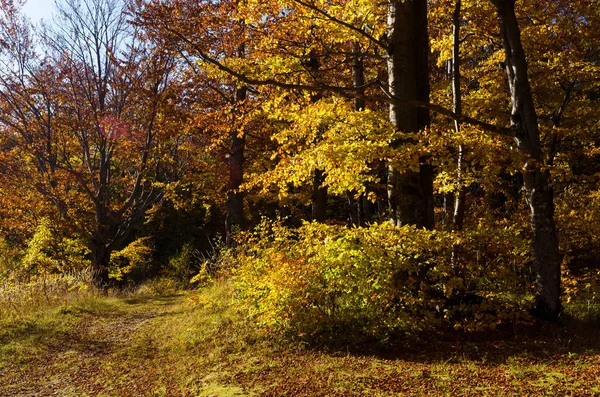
[(195, 344)]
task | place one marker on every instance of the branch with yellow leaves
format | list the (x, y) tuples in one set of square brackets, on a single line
[(345, 92)]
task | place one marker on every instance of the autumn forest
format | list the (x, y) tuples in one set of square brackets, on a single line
[(328, 173)]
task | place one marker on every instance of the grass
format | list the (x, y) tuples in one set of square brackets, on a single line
[(20, 298), (197, 344)]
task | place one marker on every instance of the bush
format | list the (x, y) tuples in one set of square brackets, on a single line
[(183, 265), (48, 252), (131, 262), (375, 281)]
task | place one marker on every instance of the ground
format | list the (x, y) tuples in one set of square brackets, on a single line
[(179, 345)]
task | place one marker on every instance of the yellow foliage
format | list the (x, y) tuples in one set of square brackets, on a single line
[(48, 252), (330, 136), (375, 280), (135, 256)]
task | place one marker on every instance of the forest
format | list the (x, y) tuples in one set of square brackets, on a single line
[(319, 175)]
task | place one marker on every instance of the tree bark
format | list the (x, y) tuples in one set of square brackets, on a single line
[(235, 199), (100, 247), (319, 197), (358, 79), (459, 203), (410, 192), (538, 189), (319, 193), (101, 261)]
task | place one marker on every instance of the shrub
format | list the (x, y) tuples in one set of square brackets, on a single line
[(131, 261), (375, 281), (49, 252), (183, 265)]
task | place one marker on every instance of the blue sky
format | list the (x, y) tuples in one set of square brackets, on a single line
[(38, 9)]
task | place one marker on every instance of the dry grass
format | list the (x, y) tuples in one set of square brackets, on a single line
[(22, 298)]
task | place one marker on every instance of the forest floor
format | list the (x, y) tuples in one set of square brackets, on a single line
[(192, 345)]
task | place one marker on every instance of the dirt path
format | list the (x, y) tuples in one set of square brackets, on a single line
[(106, 349)]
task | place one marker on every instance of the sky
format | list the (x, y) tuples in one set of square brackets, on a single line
[(38, 9)]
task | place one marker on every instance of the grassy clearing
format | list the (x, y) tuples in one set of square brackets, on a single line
[(196, 344)]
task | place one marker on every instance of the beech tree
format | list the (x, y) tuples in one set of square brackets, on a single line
[(539, 192), (407, 44)]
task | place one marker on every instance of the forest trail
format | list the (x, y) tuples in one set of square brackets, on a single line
[(81, 350), (196, 344)]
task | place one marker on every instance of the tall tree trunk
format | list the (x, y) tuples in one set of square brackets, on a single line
[(235, 199), (459, 202), (319, 193), (358, 79), (538, 189), (459, 199), (410, 193)]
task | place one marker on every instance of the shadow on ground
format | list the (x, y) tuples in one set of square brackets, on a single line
[(541, 342)]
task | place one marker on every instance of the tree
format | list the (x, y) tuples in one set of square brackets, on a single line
[(539, 192), (224, 35), (320, 30), (410, 192), (96, 116)]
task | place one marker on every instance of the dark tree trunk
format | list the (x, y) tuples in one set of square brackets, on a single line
[(100, 261), (319, 198), (360, 211), (538, 189), (358, 78), (546, 258), (99, 242), (410, 192), (319, 193), (235, 199), (459, 203)]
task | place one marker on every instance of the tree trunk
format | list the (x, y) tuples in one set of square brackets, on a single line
[(235, 199), (100, 261), (538, 190), (459, 203), (319, 197), (358, 79), (410, 192), (319, 193)]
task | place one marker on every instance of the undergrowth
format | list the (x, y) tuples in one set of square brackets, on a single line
[(330, 281), (19, 298)]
